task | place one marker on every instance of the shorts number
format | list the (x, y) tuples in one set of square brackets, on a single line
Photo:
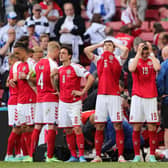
[(40, 81), (145, 70), (154, 116)]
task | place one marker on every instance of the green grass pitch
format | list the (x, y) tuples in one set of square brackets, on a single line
[(83, 165)]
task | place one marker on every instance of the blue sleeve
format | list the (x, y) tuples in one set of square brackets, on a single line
[(160, 80)]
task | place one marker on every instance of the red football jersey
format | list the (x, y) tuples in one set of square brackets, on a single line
[(144, 79), (13, 92), (126, 39), (109, 71), (69, 80), (26, 94), (45, 91)]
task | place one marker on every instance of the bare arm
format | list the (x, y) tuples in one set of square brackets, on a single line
[(133, 65), (55, 79), (89, 50), (89, 83), (124, 49)]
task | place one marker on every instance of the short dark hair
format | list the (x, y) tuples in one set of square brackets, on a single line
[(69, 49), (22, 45), (109, 41)]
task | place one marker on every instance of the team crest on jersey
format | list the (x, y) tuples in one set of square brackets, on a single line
[(111, 57), (68, 72)]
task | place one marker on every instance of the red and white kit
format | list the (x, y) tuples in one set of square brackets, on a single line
[(128, 17), (126, 39), (13, 119), (26, 95), (108, 99), (47, 100), (144, 93), (69, 105)]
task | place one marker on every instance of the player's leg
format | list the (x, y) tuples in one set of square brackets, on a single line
[(119, 141), (75, 117), (13, 138), (100, 119), (71, 141), (116, 116), (152, 141), (137, 117), (152, 118)]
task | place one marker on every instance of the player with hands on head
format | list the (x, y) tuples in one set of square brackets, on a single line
[(144, 97), (108, 101)]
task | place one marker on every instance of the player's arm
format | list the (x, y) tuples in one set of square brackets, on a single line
[(55, 79), (124, 50), (90, 80), (134, 62), (89, 50), (155, 61)]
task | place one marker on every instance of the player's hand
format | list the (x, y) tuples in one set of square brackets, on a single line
[(140, 48), (77, 93), (22, 75), (12, 83), (64, 30), (57, 93), (149, 46)]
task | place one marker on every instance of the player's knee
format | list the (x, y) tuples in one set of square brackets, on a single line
[(117, 126), (78, 130), (152, 127), (100, 126), (68, 131)]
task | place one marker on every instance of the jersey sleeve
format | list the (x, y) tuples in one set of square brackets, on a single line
[(120, 60), (80, 70), (53, 65)]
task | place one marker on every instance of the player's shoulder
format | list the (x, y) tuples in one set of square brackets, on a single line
[(75, 65)]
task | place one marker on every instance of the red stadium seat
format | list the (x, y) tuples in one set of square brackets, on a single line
[(118, 3), (145, 26), (152, 14), (115, 25), (157, 2), (147, 36)]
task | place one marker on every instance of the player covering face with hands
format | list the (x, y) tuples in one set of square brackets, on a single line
[(144, 97)]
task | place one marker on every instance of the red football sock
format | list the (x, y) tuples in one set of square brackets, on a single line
[(80, 143), (23, 145), (120, 141), (11, 143), (34, 141), (28, 136), (18, 145), (136, 142), (71, 141), (99, 135), (51, 143), (152, 141)]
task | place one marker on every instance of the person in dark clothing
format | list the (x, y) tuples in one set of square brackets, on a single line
[(69, 30)]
